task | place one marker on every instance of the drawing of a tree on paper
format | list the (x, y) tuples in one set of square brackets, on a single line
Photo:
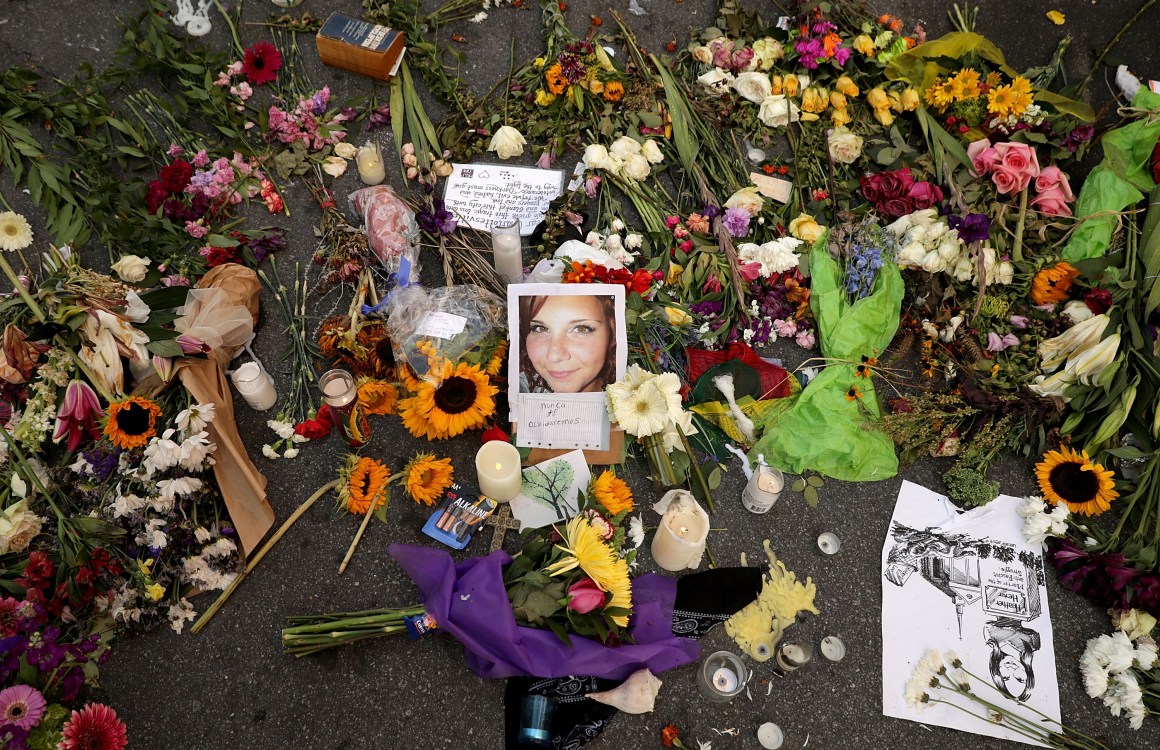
[(550, 485)]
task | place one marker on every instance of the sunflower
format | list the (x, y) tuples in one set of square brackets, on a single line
[(496, 362), (377, 396), (854, 393), (1051, 284), (366, 351), (554, 77), (1001, 101), (586, 550), (15, 232), (462, 401), (132, 422), (428, 477), (1071, 478), (612, 492), (362, 484), (613, 91)]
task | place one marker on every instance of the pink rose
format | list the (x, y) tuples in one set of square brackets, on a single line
[(983, 157), (584, 596), (1006, 181), (1020, 161), (1050, 178), (924, 194), (1053, 202)]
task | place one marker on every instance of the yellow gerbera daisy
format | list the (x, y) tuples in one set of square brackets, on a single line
[(1023, 95), (428, 477), (612, 492), (941, 94), (587, 551), (462, 401), (1071, 478), (15, 232), (967, 81), (132, 422), (1001, 101)]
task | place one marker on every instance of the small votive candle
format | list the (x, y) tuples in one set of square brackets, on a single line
[(497, 469), (793, 655), (769, 736), (255, 386), (829, 543), (833, 648), (341, 394), (369, 160), (508, 251), (722, 677)]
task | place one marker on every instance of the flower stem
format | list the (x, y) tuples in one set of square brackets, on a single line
[(19, 288), (1017, 249), (233, 29)]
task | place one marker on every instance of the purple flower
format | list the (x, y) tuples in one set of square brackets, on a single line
[(997, 343), (268, 244), (1080, 135), (438, 220), (972, 227), (710, 212), (736, 222), (1019, 321), (841, 55), (379, 118)]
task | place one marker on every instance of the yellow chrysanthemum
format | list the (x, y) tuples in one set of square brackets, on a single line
[(428, 478), (1071, 478), (462, 401), (993, 79), (1023, 95), (15, 232), (587, 551), (941, 94), (612, 492)]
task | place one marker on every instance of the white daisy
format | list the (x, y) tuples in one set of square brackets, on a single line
[(644, 412), (195, 418), (15, 232), (636, 531)]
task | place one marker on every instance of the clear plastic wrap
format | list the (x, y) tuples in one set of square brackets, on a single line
[(390, 226), (446, 324)]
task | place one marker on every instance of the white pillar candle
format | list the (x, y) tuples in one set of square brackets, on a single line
[(497, 469), (255, 385), (508, 251), (680, 538), (371, 169)]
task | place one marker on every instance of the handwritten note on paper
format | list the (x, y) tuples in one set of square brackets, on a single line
[(563, 420), (441, 325), (484, 195)]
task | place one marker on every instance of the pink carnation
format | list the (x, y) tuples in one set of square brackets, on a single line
[(805, 339), (785, 327), (196, 230)]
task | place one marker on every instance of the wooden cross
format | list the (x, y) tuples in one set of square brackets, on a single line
[(501, 522)]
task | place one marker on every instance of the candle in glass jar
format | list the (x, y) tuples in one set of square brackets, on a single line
[(507, 251), (497, 468), (725, 680), (370, 164), (794, 654), (255, 385), (680, 539)]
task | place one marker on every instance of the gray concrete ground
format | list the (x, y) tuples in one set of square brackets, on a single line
[(232, 687)]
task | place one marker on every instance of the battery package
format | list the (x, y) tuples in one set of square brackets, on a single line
[(360, 46)]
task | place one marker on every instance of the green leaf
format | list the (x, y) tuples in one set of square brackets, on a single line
[(811, 495), (220, 240), (168, 348), (815, 481), (798, 485)]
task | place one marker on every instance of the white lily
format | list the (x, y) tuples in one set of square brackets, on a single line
[(1055, 351), (1086, 365)]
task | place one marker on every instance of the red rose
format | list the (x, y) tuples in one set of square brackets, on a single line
[(924, 195), (155, 195), (584, 596), (896, 207), (870, 185), (176, 176)]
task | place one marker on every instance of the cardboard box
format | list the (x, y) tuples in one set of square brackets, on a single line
[(360, 46)]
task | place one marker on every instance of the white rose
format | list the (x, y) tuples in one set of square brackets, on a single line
[(716, 80), (964, 269), (1006, 273), (633, 241), (334, 166), (1077, 311), (753, 86), (766, 52), (614, 165), (948, 248), (345, 150), (596, 156), (637, 167), (916, 233), (703, 55), (900, 226), (777, 111), (989, 260), (925, 217), (624, 147), (507, 142), (803, 81), (937, 231), (911, 255), (933, 263), (845, 147), (136, 310), (651, 151), (132, 268), (747, 198)]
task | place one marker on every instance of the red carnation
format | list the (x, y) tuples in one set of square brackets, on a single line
[(1099, 301), (317, 428), (261, 63), (176, 176), (94, 727), (155, 195)]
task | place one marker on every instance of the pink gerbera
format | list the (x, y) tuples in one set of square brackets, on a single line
[(21, 706), (262, 63), (94, 727), (8, 616)]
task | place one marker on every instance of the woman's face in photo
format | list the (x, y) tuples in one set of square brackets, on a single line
[(1013, 674), (568, 343)]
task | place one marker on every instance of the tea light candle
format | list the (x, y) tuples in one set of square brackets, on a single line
[(371, 169), (725, 680), (793, 655), (722, 677), (497, 469), (833, 648), (679, 541), (829, 543), (508, 251), (255, 386), (769, 736)]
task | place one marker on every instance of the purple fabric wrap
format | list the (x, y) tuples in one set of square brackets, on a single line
[(469, 601)]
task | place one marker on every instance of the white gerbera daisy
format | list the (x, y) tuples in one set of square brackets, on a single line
[(15, 232), (644, 412)]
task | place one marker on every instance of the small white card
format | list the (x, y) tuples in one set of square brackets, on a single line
[(550, 490), (441, 325), (772, 187), (486, 195), (563, 420)]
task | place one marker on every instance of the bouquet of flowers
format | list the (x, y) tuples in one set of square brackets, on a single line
[(649, 407)]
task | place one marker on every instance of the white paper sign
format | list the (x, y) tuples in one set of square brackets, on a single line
[(441, 325), (550, 490), (967, 583), (563, 420), (485, 195)]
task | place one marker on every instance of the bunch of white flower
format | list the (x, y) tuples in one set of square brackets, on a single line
[(1110, 666), (626, 157), (1039, 523), (927, 242), (645, 404)]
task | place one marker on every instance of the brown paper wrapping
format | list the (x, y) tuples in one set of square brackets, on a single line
[(243, 487)]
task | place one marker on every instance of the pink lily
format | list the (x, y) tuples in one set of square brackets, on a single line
[(192, 344), (78, 414)]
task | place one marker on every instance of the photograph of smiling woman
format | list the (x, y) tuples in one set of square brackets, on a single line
[(568, 343)]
